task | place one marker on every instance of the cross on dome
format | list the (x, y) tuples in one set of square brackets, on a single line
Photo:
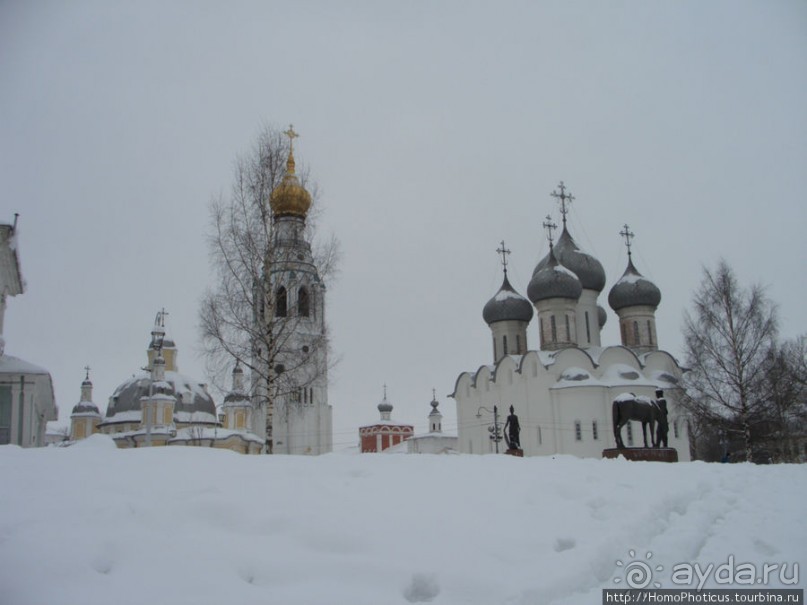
[(564, 199), (550, 226), (628, 235), (87, 369), (504, 252), (160, 319), (292, 135)]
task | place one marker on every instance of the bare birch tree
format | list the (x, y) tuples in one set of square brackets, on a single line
[(727, 338), (785, 390), (238, 316)]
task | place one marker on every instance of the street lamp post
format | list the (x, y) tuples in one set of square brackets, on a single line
[(495, 435)]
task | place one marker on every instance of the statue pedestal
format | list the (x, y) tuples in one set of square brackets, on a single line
[(515, 452), (647, 454)]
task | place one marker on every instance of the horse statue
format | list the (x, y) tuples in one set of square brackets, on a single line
[(648, 411)]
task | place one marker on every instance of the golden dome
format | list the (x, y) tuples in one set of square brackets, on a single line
[(290, 198)]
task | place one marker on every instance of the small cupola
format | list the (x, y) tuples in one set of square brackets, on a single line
[(507, 315), (635, 300)]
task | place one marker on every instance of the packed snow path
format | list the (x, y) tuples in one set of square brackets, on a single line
[(91, 524)]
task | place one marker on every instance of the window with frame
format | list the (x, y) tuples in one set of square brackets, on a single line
[(595, 430), (303, 303), (578, 431), (281, 302), (5, 415)]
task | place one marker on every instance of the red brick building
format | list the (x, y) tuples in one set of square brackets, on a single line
[(384, 433)]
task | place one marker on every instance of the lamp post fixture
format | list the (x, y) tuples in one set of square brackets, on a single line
[(495, 436)]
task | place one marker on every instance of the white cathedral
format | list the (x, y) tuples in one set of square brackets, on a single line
[(562, 392)]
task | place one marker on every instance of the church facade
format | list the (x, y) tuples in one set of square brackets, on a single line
[(563, 390), (26, 390), (159, 406)]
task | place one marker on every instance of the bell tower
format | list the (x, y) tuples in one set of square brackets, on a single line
[(296, 417)]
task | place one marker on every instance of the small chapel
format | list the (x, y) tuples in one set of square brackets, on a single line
[(562, 391)]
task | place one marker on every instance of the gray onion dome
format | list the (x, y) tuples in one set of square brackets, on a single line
[(554, 281), (507, 305), (602, 316), (86, 407), (385, 406), (633, 290), (587, 268)]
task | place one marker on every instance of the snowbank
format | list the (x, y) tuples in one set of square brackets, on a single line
[(95, 525)]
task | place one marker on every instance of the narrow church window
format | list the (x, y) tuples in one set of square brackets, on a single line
[(281, 302), (495, 353), (595, 430), (5, 415), (504, 345), (303, 303), (649, 333), (541, 331), (568, 330), (630, 433), (588, 329), (554, 329), (675, 428), (636, 340), (578, 431), (624, 334), (540, 440)]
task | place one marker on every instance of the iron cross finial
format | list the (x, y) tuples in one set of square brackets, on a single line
[(628, 235), (565, 199), (550, 227), (504, 252), (87, 369)]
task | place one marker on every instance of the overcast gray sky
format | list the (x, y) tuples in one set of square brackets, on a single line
[(434, 131)]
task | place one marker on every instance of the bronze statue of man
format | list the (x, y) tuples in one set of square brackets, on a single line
[(662, 426), (512, 430)]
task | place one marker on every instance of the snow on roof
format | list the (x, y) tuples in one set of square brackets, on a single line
[(194, 417), (193, 433), (14, 365), (506, 295), (574, 377), (629, 278)]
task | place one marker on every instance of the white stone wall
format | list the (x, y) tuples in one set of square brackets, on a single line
[(549, 402)]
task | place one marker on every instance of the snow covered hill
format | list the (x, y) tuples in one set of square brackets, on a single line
[(91, 524)]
